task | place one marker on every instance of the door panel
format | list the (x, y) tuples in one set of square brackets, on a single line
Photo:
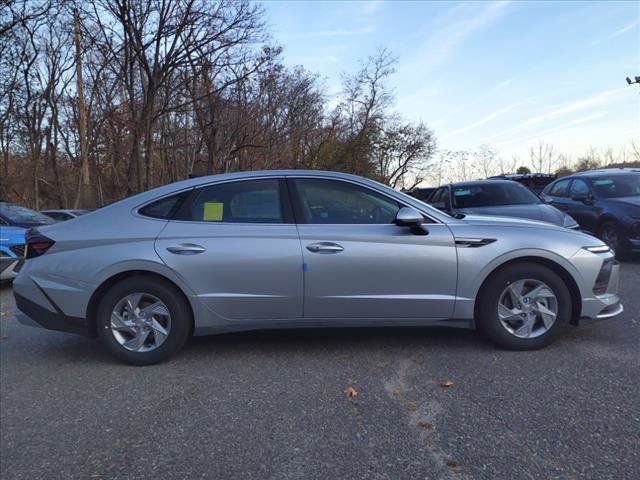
[(381, 271), (238, 271)]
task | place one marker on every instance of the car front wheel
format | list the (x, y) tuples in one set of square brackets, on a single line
[(143, 320), (524, 306)]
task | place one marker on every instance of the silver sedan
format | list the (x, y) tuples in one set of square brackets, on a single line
[(290, 249)]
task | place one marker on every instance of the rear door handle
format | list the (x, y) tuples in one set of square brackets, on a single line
[(325, 247), (186, 249)]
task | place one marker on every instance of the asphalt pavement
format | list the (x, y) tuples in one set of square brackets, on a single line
[(273, 405)]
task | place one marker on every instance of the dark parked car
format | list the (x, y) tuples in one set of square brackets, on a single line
[(535, 182), (497, 197), (421, 193), (17, 216), (604, 202)]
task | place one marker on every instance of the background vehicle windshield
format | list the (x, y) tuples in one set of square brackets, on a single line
[(491, 195), (612, 186), (17, 214)]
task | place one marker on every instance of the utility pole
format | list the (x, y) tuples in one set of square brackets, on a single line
[(84, 183)]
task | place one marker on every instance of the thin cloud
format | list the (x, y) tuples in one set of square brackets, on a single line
[(339, 32), (623, 30), (370, 7), (559, 128), (487, 119), (575, 106), (457, 25), (558, 112)]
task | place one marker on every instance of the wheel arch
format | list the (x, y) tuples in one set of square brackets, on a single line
[(563, 273), (103, 288)]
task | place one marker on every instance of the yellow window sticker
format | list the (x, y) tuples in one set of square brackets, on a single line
[(213, 211)]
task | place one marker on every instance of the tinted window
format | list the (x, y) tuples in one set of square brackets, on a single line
[(579, 187), (612, 186), (492, 194), (60, 216), (165, 207), (17, 214), (438, 198), (559, 189), (334, 202), (250, 201)]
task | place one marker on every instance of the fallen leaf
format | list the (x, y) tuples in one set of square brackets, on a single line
[(425, 425), (411, 405), (351, 392), (453, 465), (446, 383)]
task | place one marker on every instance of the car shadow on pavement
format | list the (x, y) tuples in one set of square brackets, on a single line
[(336, 341)]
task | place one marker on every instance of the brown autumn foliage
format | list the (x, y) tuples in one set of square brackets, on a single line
[(105, 98)]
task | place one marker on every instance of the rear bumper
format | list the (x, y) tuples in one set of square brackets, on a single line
[(31, 314)]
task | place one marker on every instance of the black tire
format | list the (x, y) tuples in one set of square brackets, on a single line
[(614, 238), (487, 311), (179, 309)]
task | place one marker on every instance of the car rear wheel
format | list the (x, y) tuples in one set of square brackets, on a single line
[(143, 320), (524, 306)]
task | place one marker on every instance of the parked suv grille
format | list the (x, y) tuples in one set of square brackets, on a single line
[(18, 250)]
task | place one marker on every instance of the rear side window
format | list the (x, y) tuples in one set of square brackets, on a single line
[(248, 201), (164, 208), (559, 189)]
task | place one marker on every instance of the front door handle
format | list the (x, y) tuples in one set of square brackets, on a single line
[(325, 247), (186, 249)]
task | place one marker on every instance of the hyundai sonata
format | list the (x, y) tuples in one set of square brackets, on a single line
[(284, 249)]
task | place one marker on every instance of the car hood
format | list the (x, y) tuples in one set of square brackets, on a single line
[(490, 220), (539, 212)]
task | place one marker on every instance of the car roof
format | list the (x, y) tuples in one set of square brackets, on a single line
[(473, 183), (139, 199), (608, 171)]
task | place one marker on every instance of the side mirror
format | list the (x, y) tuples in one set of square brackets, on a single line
[(410, 217), (580, 197)]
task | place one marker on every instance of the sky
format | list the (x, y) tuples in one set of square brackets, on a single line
[(507, 74)]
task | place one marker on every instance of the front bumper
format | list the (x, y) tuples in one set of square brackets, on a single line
[(606, 305)]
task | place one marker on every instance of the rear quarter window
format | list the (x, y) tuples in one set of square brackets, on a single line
[(165, 208)]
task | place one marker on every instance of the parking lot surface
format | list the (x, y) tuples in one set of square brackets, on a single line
[(431, 403)]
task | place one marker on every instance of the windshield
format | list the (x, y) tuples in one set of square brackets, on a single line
[(492, 194), (620, 185), (17, 214)]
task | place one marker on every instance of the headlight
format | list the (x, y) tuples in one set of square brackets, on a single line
[(598, 249), (569, 222)]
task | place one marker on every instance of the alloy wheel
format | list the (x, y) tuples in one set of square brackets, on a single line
[(527, 308), (610, 237), (140, 322)]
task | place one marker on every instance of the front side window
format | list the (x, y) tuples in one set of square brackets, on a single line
[(248, 201), (324, 201), (438, 199), (559, 189), (579, 188)]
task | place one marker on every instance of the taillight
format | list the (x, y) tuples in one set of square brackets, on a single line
[(37, 244)]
